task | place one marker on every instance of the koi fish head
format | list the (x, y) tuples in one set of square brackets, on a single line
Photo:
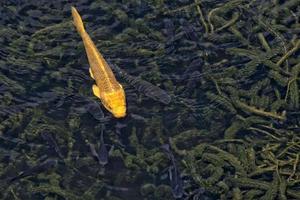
[(115, 103)]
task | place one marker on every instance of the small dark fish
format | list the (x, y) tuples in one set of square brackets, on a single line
[(169, 28), (15, 141), (13, 109), (52, 142), (3, 88), (197, 194), (47, 96), (32, 104), (145, 87), (176, 182), (103, 153), (118, 127), (95, 110), (42, 167), (174, 175), (189, 30), (195, 65), (192, 82), (60, 102), (94, 151), (79, 110), (138, 118), (116, 188)]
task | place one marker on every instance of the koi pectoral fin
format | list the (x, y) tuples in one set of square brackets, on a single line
[(91, 73), (96, 91)]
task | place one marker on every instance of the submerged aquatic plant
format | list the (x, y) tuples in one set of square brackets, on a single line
[(216, 80)]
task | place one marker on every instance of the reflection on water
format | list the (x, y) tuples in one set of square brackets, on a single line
[(212, 90)]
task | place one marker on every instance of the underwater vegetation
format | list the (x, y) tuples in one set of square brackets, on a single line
[(212, 91)]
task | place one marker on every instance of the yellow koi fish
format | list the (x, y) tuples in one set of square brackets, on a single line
[(107, 88)]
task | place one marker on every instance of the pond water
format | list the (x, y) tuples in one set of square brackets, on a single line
[(212, 92)]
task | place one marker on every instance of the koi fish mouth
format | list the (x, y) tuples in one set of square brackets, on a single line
[(119, 115), (119, 112)]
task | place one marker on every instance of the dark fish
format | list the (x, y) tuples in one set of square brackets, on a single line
[(42, 167), (195, 65), (3, 88), (138, 118), (60, 101), (116, 188), (15, 141), (142, 8), (95, 110), (189, 30), (13, 109), (166, 148), (169, 28), (169, 31), (52, 142), (103, 153), (147, 88), (94, 151), (118, 127), (176, 182), (197, 194), (192, 82), (174, 175), (48, 96)]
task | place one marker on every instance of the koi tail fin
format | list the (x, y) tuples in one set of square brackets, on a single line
[(77, 21)]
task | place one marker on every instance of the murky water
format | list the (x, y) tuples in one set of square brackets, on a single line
[(212, 91)]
